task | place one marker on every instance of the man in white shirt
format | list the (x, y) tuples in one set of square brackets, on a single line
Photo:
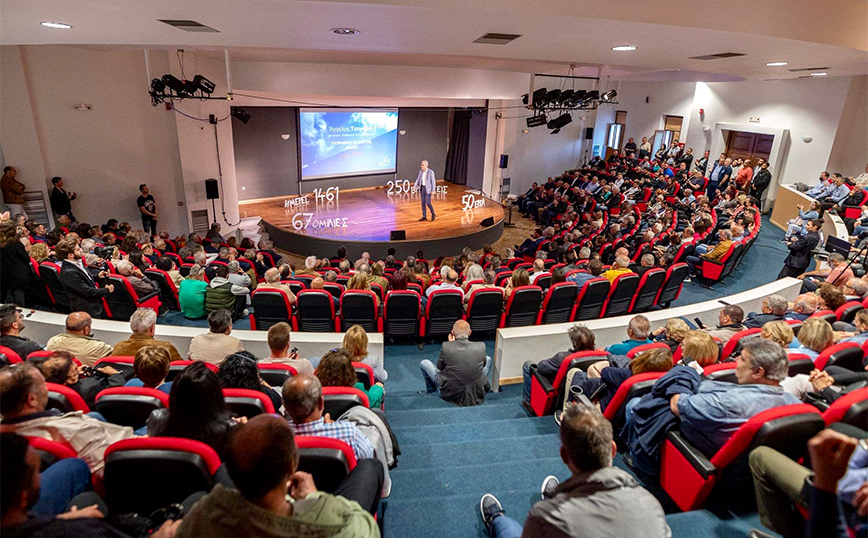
[(862, 179), (215, 345), (447, 284), (539, 269)]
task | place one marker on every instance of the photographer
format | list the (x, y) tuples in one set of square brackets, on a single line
[(88, 382)]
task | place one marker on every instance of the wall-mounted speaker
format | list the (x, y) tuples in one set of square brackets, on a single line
[(504, 160), (212, 192), (397, 235), (487, 222), (589, 133)]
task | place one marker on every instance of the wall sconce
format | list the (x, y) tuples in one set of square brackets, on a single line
[(402, 133), (285, 136), (807, 139)]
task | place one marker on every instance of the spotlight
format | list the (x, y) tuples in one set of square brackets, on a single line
[(239, 114), (173, 84), (608, 96), (538, 97), (524, 99), (553, 96), (561, 121), (202, 83), (536, 121), (157, 86), (566, 95)]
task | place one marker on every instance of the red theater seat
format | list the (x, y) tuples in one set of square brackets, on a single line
[(545, 395), (328, 460), (64, 399), (50, 451), (621, 295), (484, 309), (275, 374), (270, 307), (316, 312), (11, 356), (850, 409), (847, 355), (559, 305), (359, 307), (338, 400), (402, 311), (123, 301), (445, 307), (522, 307), (130, 406), (634, 387), (175, 368), (645, 347), (247, 403), (733, 341)]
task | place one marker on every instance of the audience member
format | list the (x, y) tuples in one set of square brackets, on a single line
[(461, 374), (728, 323), (216, 344), (621, 266), (239, 371), (77, 340), (222, 294), (581, 339), (14, 265), (356, 344), (804, 305), (278, 343), (11, 325), (335, 369), (638, 331), (150, 367), (80, 285), (815, 336), (141, 284), (143, 323), (191, 293), (774, 308)]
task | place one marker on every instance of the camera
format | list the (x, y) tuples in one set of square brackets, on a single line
[(104, 252)]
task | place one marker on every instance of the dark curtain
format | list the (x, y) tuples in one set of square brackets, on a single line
[(459, 148)]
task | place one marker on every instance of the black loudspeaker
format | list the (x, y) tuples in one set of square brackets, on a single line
[(589, 133), (487, 222), (212, 192), (397, 235), (504, 160)]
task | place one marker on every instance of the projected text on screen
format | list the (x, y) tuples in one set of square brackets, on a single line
[(343, 143)]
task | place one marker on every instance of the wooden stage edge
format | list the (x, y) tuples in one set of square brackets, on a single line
[(362, 219)]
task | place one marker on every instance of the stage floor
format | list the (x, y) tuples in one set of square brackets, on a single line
[(362, 219)]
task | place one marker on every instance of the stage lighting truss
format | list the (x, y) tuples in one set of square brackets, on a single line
[(171, 88)]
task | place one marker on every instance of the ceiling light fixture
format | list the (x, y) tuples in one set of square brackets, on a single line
[(344, 31), (819, 74), (57, 25), (624, 48), (776, 64)]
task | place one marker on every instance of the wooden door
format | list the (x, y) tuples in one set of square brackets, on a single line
[(745, 145)]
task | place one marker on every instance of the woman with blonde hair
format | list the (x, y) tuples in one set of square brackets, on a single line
[(336, 370), (39, 252), (519, 278), (779, 332), (356, 344), (700, 347), (815, 336), (359, 281), (672, 334)]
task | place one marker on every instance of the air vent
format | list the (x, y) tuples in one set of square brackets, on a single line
[(720, 56), (812, 69), (200, 221), (188, 26), (497, 39)]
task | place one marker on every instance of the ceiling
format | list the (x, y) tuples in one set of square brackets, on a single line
[(555, 33)]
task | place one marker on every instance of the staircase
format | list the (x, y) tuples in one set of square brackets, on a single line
[(452, 455)]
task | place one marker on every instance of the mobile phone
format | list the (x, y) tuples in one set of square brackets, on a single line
[(699, 322)]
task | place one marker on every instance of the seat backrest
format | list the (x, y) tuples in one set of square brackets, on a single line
[(847, 311), (580, 359), (247, 403), (649, 288), (523, 306), (484, 308), (168, 291), (721, 371), (316, 311), (49, 272), (338, 400), (591, 298), (621, 294), (634, 386), (270, 307), (560, 303), (799, 363), (175, 367), (11, 356), (328, 460), (401, 312), (144, 474), (359, 307), (445, 307), (50, 452), (130, 406), (851, 408), (846, 354), (364, 373), (275, 374), (732, 343), (544, 281), (335, 288), (123, 364), (502, 278), (645, 347), (786, 428), (64, 399), (671, 288)]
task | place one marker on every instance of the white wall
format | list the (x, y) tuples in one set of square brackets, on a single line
[(850, 150), (664, 98), (807, 107), (104, 153)]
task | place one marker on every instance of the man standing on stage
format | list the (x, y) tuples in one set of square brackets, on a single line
[(426, 181)]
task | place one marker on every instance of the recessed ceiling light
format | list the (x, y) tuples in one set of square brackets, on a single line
[(819, 74), (624, 48), (345, 31), (776, 64), (58, 25)]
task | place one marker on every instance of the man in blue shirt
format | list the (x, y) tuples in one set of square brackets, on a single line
[(838, 193), (638, 330), (595, 268), (820, 187), (718, 409), (719, 176)]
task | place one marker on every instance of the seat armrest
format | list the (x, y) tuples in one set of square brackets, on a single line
[(581, 399), (149, 296), (696, 458), (543, 381)]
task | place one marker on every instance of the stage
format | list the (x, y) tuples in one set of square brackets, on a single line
[(362, 219)]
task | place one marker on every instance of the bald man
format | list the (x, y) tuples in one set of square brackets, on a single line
[(461, 374), (77, 340), (262, 460)]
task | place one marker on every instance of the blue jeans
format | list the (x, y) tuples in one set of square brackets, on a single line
[(859, 230), (702, 249), (692, 262), (59, 484), (426, 203), (528, 380), (431, 374), (505, 527)]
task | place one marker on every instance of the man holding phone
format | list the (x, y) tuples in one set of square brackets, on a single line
[(278, 342)]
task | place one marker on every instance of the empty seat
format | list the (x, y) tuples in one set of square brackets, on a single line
[(444, 308), (847, 355), (316, 312), (49, 272), (671, 288), (148, 473), (559, 305), (328, 460), (621, 294), (649, 287), (338, 400), (484, 308), (522, 307), (591, 299), (64, 399), (733, 343), (690, 477), (546, 395), (359, 307), (168, 290), (850, 409), (401, 313), (275, 374), (270, 307), (130, 406), (247, 403)]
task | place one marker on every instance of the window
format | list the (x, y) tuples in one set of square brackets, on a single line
[(673, 123)]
